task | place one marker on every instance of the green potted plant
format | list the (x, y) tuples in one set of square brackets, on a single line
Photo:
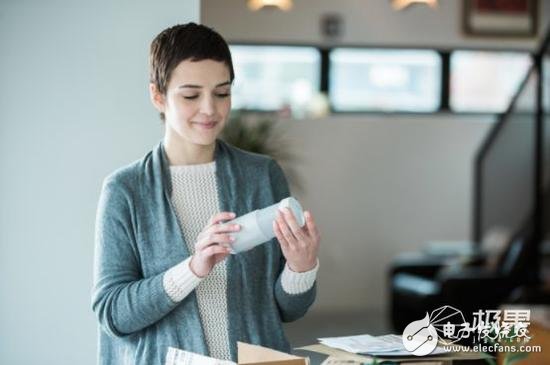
[(262, 135)]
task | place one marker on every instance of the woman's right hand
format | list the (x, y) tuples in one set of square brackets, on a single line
[(213, 243)]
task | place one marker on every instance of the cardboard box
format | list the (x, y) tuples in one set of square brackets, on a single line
[(256, 355), (247, 355)]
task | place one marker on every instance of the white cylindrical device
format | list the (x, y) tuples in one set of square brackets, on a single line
[(257, 226)]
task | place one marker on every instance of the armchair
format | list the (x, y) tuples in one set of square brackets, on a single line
[(420, 283)]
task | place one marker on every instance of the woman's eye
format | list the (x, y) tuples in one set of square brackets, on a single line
[(191, 97), (223, 95)]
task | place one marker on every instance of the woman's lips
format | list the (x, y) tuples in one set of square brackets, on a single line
[(207, 125)]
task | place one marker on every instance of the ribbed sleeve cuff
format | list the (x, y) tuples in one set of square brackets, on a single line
[(298, 282), (179, 281)]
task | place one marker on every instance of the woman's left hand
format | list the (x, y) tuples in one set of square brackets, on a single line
[(300, 245)]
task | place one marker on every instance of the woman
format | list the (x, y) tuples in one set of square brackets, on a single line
[(163, 275)]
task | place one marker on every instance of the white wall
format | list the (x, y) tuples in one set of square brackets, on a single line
[(377, 184), (73, 106)]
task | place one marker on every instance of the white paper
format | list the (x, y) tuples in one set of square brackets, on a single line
[(362, 343), (180, 357), (388, 345)]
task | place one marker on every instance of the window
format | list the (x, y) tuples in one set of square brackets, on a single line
[(484, 81), (385, 80), (271, 77)]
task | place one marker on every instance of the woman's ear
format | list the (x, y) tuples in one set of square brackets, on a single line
[(156, 98)]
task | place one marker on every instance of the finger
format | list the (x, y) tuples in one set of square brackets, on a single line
[(218, 228), (222, 216), (282, 241), (215, 239), (285, 230), (215, 250), (224, 228), (310, 224), (293, 224)]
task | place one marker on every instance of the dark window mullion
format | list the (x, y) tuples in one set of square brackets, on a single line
[(444, 105), (324, 70)]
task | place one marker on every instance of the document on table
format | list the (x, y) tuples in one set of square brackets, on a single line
[(388, 345), (180, 357)]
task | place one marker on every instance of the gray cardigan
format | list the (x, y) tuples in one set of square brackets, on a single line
[(138, 238)]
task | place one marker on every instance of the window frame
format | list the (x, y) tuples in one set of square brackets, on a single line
[(530, 54), (445, 74), (254, 44)]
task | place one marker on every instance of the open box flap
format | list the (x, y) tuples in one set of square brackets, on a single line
[(253, 354)]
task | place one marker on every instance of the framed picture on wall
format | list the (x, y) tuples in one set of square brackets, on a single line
[(500, 18)]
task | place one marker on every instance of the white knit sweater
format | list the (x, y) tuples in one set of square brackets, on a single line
[(195, 199)]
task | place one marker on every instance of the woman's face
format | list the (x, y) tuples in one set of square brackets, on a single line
[(197, 101)]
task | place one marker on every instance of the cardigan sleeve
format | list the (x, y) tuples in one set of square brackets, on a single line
[(123, 300), (291, 306)]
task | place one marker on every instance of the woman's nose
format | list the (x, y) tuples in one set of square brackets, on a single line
[(208, 107)]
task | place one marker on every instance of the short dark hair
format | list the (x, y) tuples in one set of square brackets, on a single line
[(181, 42)]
